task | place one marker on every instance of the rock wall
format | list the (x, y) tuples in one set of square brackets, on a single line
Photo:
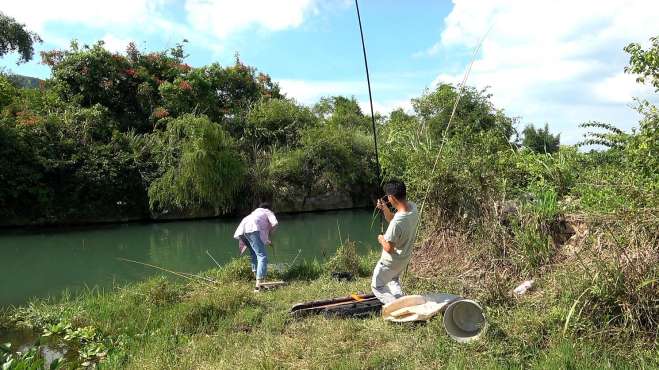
[(321, 202)]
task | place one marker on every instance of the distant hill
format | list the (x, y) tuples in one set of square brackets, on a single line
[(25, 81)]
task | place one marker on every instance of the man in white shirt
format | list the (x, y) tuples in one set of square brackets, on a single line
[(396, 242), (253, 233)]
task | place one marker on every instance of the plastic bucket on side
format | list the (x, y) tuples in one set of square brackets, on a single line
[(464, 320)]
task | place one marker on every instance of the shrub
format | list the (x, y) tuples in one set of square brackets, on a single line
[(345, 259)]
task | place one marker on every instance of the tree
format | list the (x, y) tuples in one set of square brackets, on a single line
[(540, 140), (14, 37), (474, 113), (644, 62), (141, 88), (276, 122), (339, 111), (327, 160), (198, 165)]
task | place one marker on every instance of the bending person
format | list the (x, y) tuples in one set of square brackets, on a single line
[(396, 242), (253, 234)]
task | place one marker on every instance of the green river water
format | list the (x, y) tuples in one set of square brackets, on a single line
[(46, 262)]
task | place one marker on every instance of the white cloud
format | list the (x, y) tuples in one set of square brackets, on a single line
[(619, 88), (115, 44), (205, 22), (37, 13), (224, 17), (309, 92), (558, 61)]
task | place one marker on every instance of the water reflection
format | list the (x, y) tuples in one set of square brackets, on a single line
[(44, 263)]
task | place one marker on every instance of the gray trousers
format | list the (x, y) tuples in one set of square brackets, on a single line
[(386, 281)]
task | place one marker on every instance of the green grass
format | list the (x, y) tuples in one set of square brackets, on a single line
[(181, 325)]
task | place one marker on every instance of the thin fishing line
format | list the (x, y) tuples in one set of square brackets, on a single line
[(455, 107), (370, 99), (370, 95), (448, 125)]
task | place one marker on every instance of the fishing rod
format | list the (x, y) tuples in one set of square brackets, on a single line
[(370, 99)]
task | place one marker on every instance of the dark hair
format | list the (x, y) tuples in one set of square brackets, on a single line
[(395, 188), (265, 205)]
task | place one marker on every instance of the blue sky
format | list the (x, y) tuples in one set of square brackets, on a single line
[(541, 62)]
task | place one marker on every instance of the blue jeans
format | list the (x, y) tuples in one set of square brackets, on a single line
[(257, 252)]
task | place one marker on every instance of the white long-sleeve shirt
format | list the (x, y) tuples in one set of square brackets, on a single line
[(262, 220)]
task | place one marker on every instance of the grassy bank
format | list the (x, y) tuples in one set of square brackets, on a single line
[(162, 323)]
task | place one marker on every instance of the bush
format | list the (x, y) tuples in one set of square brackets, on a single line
[(67, 166), (345, 259)]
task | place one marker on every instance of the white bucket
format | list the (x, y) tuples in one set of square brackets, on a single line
[(464, 320)]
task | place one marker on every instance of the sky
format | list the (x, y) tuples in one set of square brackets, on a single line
[(557, 62)]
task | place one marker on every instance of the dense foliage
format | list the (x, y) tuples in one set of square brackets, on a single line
[(114, 136), (14, 37), (124, 136), (540, 140), (644, 63), (583, 224)]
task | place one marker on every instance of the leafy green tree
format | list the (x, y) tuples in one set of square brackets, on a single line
[(540, 140), (277, 122), (341, 112), (92, 75), (644, 62), (15, 37), (70, 165), (197, 165), (7, 92), (327, 160), (223, 94), (474, 113), (140, 89)]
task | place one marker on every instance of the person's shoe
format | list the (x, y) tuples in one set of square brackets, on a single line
[(257, 289)]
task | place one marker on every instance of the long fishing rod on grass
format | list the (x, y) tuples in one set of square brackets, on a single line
[(370, 99)]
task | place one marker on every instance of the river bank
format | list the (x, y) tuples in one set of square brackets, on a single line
[(161, 323)]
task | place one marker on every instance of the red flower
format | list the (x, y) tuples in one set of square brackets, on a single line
[(130, 72), (262, 78), (185, 85), (26, 118), (160, 112)]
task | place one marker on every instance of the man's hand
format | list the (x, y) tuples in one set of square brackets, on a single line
[(387, 246), (382, 206)]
